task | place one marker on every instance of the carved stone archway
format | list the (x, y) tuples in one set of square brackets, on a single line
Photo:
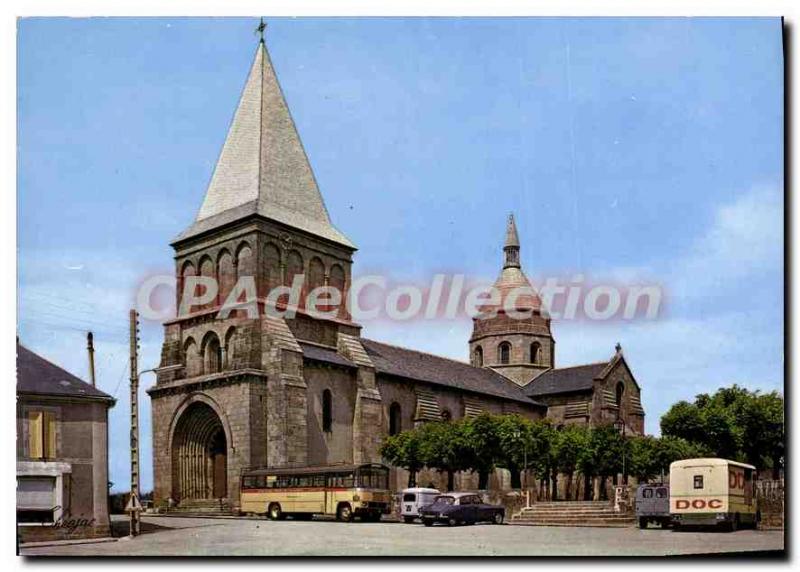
[(199, 454)]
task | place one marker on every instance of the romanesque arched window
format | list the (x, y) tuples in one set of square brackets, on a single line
[(229, 353), (316, 273), (327, 411), (294, 266), (187, 271), (395, 420), (212, 354), (227, 275), (272, 262), (479, 356), (336, 280), (191, 358), (207, 270), (244, 261), (536, 348), (504, 353)]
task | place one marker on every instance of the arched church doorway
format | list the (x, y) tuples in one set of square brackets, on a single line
[(199, 455)]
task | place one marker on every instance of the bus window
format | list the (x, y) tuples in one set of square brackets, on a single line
[(647, 493), (698, 481), (373, 478), (661, 493), (341, 480)]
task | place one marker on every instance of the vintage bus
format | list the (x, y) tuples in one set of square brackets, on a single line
[(712, 492), (346, 491)]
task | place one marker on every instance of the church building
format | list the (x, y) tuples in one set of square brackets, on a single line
[(248, 391)]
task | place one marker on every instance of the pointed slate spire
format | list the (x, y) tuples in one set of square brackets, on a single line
[(511, 276), (263, 168), (511, 247)]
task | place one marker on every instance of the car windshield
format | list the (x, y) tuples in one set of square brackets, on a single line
[(444, 500)]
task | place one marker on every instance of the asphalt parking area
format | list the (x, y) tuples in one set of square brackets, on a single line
[(172, 536)]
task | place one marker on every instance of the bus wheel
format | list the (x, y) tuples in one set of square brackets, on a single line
[(408, 519), (274, 511), (344, 513), (642, 522)]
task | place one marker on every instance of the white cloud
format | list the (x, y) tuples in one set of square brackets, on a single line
[(745, 237)]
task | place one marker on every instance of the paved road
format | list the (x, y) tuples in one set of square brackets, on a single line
[(168, 536)]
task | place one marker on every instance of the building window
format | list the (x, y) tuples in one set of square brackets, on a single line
[(212, 357), (447, 416), (41, 435), (535, 351), (479, 356), (620, 393), (327, 411), (36, 500), (395, 420), (504, 353)]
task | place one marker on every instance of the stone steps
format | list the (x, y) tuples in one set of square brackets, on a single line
[(572, 513), (201, 507)]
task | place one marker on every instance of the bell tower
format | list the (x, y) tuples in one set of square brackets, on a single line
[(513, 337)]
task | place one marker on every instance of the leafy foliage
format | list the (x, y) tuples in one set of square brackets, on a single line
[(733, 423)]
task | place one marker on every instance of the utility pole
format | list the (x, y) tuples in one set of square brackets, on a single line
[(134, 505)]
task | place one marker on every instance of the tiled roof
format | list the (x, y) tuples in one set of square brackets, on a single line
[(37, 375), (326, 355), (263, 168), (565, 380), (436, 370)]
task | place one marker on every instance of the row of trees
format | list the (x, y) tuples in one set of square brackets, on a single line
[(485, 442), (733, 423)]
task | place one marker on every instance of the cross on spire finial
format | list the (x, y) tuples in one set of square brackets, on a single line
[(260, 29)]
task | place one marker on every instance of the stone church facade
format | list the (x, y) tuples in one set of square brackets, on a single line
[(244, 391)]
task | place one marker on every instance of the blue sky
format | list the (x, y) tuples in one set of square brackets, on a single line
[(629, 149)]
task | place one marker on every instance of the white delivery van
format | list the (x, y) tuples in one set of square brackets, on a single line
[(712, 492), (413, 499)]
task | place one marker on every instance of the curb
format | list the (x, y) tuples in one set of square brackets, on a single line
[(45, 543)]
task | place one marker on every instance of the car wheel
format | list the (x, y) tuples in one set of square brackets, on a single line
[(274, 512), (408, 519), (498, 518), (344, 513), (452, 522), (642, 523), (427, 522)]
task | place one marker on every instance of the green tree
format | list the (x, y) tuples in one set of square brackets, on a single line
[(482, 443), (567, 445), (444, 446), (403, 450), (520, 442), (733, 423), (605, 444)]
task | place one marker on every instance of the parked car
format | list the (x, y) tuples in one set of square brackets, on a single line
[(413, 500), (461, 508), (652, 505)]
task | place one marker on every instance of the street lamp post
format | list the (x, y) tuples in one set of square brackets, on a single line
[(619, 424), (517, 437)]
